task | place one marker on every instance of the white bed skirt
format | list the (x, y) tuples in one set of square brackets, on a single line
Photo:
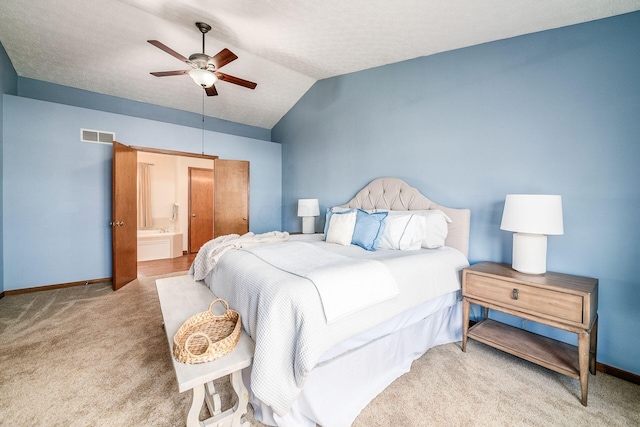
[(337, 390)]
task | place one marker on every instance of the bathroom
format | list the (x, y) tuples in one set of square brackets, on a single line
[(163, 204)]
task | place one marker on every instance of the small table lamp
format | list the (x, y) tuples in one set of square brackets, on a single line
[(308, 209), (532, 217)]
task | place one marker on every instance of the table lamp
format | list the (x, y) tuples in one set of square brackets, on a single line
[(532, 217), (308, 209)]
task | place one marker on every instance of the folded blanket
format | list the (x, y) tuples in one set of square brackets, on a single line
[(211, 252), (345, 285)]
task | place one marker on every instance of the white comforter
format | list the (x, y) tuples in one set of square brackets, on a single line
[(283, 312), (369, 281)]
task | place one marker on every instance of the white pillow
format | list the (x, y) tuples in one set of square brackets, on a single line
[(341, 228), (403, 232), (435, 226), (339, 209)]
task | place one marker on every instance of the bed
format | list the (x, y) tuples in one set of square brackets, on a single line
[(326, 348)]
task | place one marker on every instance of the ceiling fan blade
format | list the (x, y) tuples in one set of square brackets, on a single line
[(169, 73), (236, 80), (222, 58), (211, 91), (170, 51)]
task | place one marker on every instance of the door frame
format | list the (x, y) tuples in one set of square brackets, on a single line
[(174, 153)]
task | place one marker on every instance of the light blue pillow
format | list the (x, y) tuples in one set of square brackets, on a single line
[(369, 228)]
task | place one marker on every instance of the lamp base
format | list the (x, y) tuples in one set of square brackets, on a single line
[(308, 224), (529, 253)]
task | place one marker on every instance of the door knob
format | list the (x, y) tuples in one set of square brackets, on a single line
[(244, 218), (193, 214)]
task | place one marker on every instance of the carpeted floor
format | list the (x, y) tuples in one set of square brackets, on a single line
[(88, 356)]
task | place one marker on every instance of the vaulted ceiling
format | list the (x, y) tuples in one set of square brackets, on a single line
[(284, 46)]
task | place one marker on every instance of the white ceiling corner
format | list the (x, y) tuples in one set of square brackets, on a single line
[(284, 46)]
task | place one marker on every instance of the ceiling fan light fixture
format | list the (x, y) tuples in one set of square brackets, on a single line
[(202, 77)]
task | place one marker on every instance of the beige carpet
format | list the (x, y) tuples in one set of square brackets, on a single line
[(88, 356)]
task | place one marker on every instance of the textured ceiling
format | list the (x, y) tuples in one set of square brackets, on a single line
[(283, 45)]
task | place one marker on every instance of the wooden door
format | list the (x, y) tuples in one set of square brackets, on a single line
[(200, 208), (124, 215), (231, 197)]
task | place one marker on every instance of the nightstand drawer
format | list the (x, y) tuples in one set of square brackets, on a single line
[(525, 298)]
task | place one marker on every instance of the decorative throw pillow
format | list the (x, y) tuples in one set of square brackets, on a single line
[(368, 229), (331, 211), (403, 232), (341, 226)]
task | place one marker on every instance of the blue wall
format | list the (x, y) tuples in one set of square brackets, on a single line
[(554, 112), (57, 189), (8, 84), (45, 91)]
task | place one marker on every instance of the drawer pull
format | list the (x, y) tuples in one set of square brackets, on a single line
[(514, 294)]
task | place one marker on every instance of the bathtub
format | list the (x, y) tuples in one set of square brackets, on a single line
[(158, 244)]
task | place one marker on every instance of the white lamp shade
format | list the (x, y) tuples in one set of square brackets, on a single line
[(203, 77), (308, 207), (533, 214)]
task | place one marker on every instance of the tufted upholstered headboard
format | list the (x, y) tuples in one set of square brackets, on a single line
[(395, 194)]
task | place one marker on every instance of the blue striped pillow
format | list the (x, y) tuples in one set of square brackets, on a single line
[(369, 228)]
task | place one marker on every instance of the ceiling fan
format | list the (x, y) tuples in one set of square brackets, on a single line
[(204, 68)]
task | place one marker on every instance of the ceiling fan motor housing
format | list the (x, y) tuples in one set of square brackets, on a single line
[(202, 61)]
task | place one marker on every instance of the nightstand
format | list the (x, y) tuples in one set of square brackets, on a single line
[(558, 300)]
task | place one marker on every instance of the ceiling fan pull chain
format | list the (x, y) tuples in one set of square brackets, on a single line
[(203, 121)]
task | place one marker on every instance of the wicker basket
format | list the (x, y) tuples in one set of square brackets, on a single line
[(205, 336)]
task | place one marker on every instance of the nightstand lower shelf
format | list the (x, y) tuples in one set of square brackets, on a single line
[(555, 355)]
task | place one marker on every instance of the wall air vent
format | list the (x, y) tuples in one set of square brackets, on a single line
[(97, 136)]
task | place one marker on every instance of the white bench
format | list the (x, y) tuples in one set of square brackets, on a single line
[(180, 298)]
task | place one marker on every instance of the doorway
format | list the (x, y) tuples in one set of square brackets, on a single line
[(234, 194), (170, 189)]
